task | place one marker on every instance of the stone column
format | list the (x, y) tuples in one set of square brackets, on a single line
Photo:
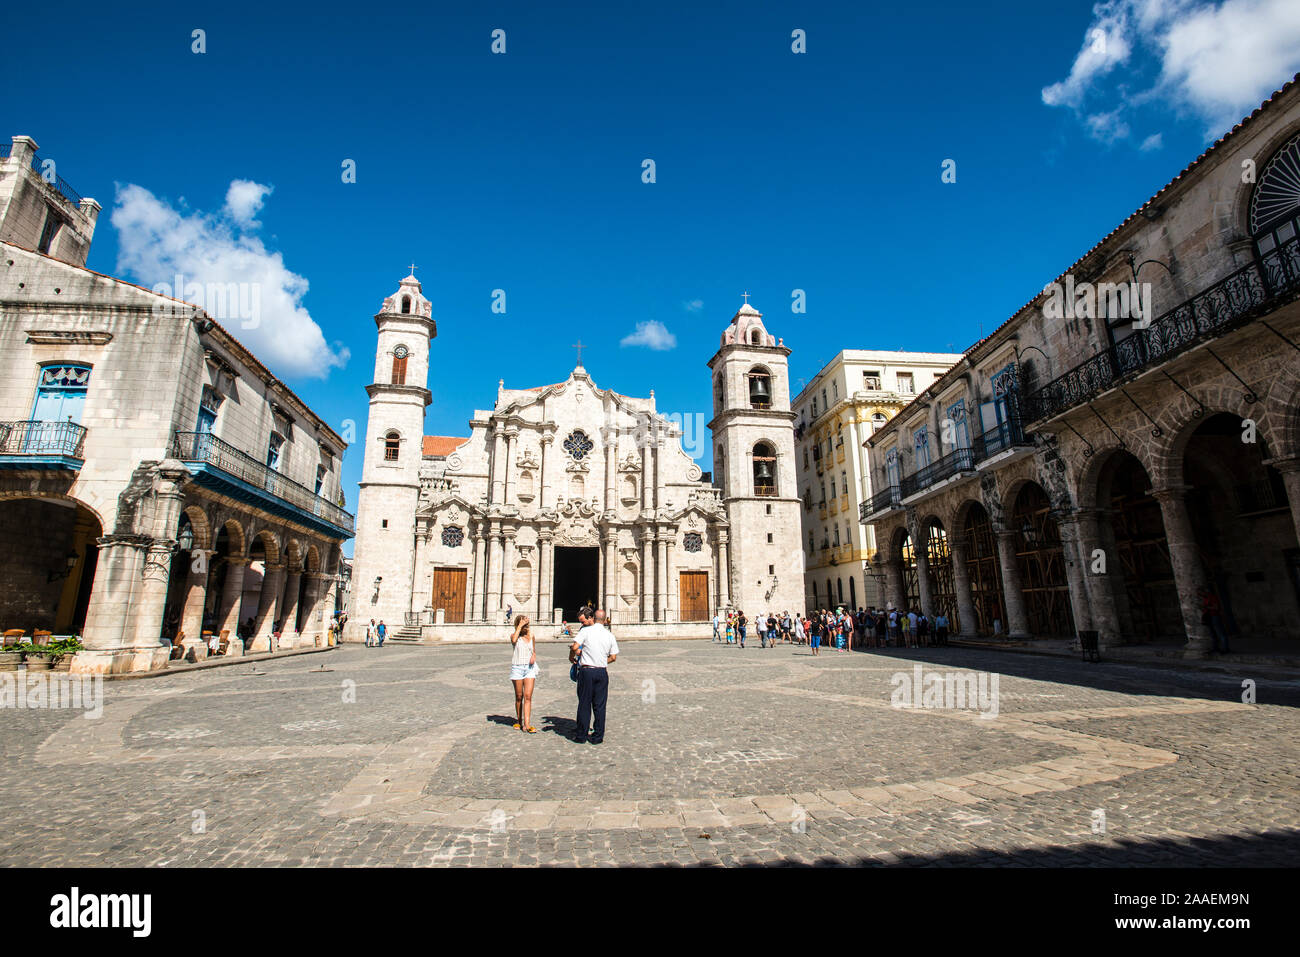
[(507, 570), (421, 596), (661, 575), (645, 472), (511, 435), (1290, 469), (497, 464), (961, 584), (311, 627), (1189, 573), (1017, 623), (610, 587), (232, 596), (647, 575), (543, 481), (1068, 524), (268, 608), (1100, 585), (657, 451), (288, 617), (923, 581), (672, 607), (493, 578), (897, 594), (196, 598), (478, 591), (724, 570), (545, 584)]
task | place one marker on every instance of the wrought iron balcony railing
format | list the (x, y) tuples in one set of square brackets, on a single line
[(203, 447), (1228, 304), (42, 438), (888, 497), (960, 460), (765, 491), (1001, 437)]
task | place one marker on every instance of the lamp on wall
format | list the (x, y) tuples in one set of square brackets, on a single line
[(69, 563), (185, 540), (1027, 530)]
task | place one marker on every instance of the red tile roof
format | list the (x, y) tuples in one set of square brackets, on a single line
[(442, 444)]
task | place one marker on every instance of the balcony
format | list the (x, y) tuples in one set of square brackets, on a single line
[(883, 501), (1232, 302), (41, 445), (224, 468), (1004, 437)]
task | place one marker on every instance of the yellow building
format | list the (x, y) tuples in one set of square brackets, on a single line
[(848, 400)]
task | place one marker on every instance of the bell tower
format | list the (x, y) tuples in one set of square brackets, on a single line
[(753, 463), (382, 567)]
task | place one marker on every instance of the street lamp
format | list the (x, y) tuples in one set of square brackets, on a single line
[(185, 540), (70, 562)]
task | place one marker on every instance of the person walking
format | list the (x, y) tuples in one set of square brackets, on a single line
[(370, 633), (523, 673), (594, 651), (799, 636), (741, 622), (1212, 618), (815, 639), (716, 622), (731, 628), (381, 632)]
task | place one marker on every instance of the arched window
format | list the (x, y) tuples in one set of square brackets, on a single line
[(754, 338), (1276, 200), (877, 421), (400, 355), (406, 304), (392, 446), (760, 389), (764, 469)]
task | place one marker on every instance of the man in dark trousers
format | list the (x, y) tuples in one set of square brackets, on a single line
[(594, 649)]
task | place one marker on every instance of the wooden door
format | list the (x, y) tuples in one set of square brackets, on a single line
[(693, 596), (449, 593)]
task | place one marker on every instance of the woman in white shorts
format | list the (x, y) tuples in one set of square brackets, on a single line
[(523, 672)]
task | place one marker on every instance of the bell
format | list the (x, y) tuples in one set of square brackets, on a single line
[(759, 390), (762, 470)]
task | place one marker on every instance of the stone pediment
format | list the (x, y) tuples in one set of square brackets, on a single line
[(454, 509)]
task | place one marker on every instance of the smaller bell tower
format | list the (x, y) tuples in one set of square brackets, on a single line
[(753, 461), (382, 568)]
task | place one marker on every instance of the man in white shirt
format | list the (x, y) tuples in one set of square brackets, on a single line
[(717, 621), (594, 649)]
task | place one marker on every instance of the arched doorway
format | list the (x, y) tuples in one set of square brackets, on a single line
[(943, 589), (911, 576), (1148, 605), (1042, 565), (47, 576), (983, 570), (1244, 530)]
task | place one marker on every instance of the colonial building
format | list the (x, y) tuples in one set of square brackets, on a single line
[(1129, 439), (156, 480), (848, 400), (570, 493)]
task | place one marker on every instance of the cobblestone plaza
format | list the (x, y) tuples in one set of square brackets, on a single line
[(715, 755)]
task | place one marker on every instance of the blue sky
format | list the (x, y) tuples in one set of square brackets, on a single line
[(775, 171)]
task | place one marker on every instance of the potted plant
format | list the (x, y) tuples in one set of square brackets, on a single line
[(62, 652), (10, 656), (36, 656)]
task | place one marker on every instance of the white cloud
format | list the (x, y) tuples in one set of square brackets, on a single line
[(1217, 61), (1152, 142), (244, 200), (695, 305), (157, 243), (651, 334)]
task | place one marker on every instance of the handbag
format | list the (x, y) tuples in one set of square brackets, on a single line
[(576, 666)]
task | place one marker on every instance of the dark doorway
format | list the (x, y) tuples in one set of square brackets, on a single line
[(577, 578)]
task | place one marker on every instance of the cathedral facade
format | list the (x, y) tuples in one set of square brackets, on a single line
[(570, 493)]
